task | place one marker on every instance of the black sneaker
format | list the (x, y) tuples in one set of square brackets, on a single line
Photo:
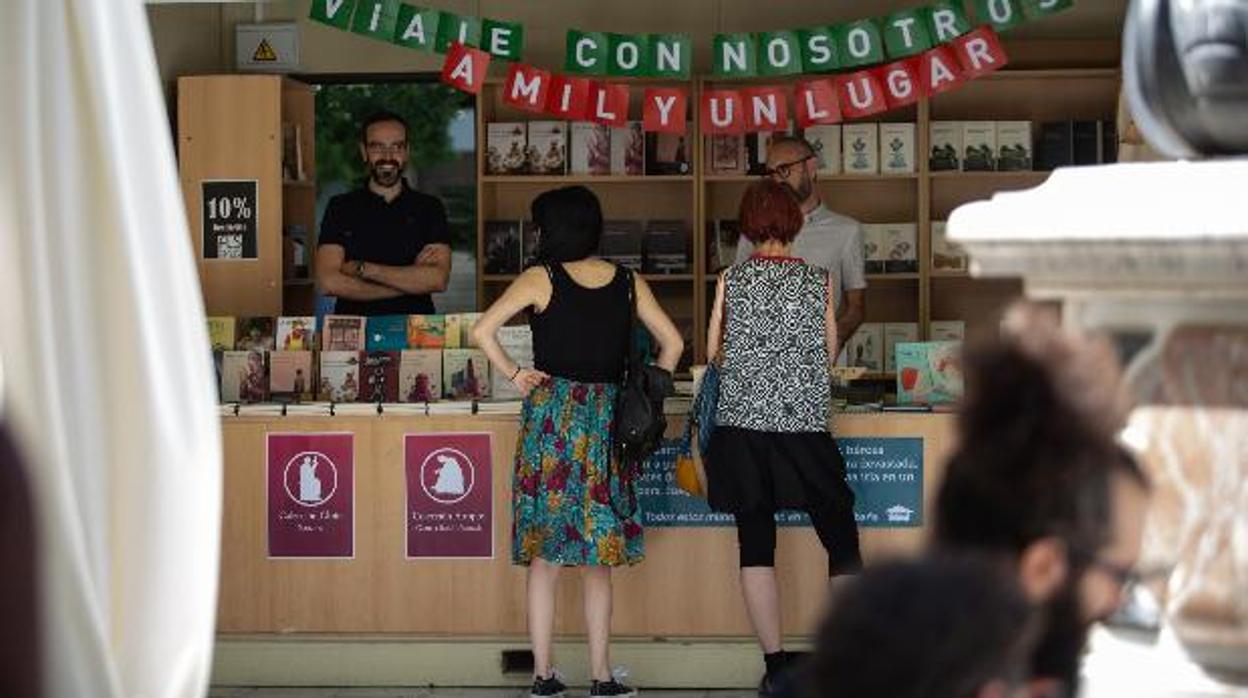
[(547, 688), (767, 687), (610, 688)]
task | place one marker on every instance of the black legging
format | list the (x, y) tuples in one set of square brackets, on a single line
[(835, 526)]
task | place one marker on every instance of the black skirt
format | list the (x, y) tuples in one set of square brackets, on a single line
[(749, 470)]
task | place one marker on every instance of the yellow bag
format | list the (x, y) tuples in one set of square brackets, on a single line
[(690, 475)]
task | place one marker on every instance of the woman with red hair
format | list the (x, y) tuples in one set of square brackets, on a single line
[(773, 331)]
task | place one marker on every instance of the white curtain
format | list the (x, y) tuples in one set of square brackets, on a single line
[(107, 376)]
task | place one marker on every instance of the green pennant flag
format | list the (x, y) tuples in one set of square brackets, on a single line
[(335, 13), (452, 28), (376, 18), (1003, 15), (859, 43), (818, 49), (905, 33), (1035, 9), (946, 21), (779, 53), (587, 53), (735, 55), (627, 54), (671, 56), (416, 28), (502, 39)]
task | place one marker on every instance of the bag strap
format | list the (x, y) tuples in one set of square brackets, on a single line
[(630, 340)]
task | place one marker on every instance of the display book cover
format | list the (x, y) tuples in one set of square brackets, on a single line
[(420, 375), (897, 148), (290, 375), (517, 342), (665, 248), (426, 331), (865, 347), (254, 333), (296, 333), (928, 373), (340, 376), (722, 238), (946, 254), (668, 153), (221, 332), (379, 376), (244, 376), (826, 140), (465, 374), (628, 150), (727, 153), (459, 330), (860, 149), (343, 333), (503, 247), (505, 146), (386, 333), (946, 146), (589, 149), (547, 150)]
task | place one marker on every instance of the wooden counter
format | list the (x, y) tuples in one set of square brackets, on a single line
[(686, 587)]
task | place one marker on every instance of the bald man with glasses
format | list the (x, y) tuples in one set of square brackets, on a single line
[(827, 239)]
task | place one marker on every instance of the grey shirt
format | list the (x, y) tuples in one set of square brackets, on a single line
[(830, 241)]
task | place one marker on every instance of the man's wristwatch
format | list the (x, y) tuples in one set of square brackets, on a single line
[(359, 269)]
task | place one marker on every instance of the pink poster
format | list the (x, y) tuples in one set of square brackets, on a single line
[(450, 496), (311, 495)]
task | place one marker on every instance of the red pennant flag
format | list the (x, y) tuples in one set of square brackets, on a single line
[(608, 104), (766, 109), (665, 109), (464, 68), (527, 87), (723, 111), (568, 98), (939, 71), (979, 52), (815, 102), (901, 82), (860, 94)]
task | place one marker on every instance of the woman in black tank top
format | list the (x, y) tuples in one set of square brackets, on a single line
[(566, 475)]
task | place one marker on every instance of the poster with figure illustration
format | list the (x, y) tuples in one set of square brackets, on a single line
[(311, 495), (450, 496)]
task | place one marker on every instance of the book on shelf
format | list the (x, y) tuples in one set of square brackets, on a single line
[(426, 331), (292, 152), (343, 333), (505, 148), (621, 243), (1056, 145), (465, 374), (296, 333), (547, 150), (866, 347), (722, 237), (290, 375), (946, 146), (386, 333), (420, 375), (895, 333), (459, 330), (379, 376), (589, 149), (529, 237), (668, 153), (897, 148), (948, 330), (221, 333), (946, 255), (901, 248), (1109, 141), (665, 247), (254, 333), (1014, 146), (860, 148), (339, 376), (502, 247), (874, 240), (245, 376), (1086, 141), (979, 145), (825, 139), (628, 150), (928, 373), (517, 342), (727, 153)]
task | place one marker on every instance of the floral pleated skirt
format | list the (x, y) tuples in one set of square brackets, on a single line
[(566, 481)]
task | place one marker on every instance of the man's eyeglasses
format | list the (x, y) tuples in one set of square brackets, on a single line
[(783, 170), (386, 148), (1127, 577)]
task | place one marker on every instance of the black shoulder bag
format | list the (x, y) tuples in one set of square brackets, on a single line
[(639, 422)]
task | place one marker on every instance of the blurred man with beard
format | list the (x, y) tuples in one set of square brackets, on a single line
[(384, 248), (1038, 480), (828, 240)]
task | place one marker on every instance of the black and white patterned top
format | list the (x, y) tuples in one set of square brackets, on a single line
[(775, 359)]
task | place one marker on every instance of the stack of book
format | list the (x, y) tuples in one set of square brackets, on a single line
[(972, 146), (583, 148)]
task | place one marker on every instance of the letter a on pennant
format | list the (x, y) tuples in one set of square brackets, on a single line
[(608, 104), (722, 112), (816, 103), (939, 71), (979, 52), (766, 109), (465, 68), (568, 98), (901, 82), (665, 110), (860, 95), (526, 87)]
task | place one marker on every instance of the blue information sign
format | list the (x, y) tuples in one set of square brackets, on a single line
[(886, 475)]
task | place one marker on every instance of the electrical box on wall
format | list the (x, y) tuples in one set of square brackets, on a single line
[(268, 48)]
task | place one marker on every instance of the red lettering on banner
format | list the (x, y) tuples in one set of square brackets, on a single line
[(722, 112), (979, 52), (665, 109), (526, 87), (568, 98), (464, 68), (766, 109), (939, 71), (901, 82), (815, 103), (860, 95), (608, 104)]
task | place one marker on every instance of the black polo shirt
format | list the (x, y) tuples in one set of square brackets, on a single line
[(393, 233)]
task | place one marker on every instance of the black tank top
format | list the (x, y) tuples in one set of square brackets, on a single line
[(582, 334)]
